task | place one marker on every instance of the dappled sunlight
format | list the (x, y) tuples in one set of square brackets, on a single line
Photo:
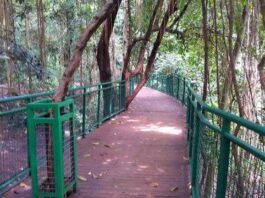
[(160, 129), (142, 167), (132, 120)]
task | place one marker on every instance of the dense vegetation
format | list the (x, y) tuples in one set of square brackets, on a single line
[(216, 43)]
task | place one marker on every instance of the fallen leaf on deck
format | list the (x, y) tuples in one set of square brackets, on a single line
[(87, 156), (106, 145), (23, 185), (95, 176), (154, 184), (189, 185), (174, 189), (81, 178), (102, 173), (185, 158), (95, 143), (116, 122)]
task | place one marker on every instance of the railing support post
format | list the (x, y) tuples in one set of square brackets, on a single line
[(188, 116), (191, 123), (84, 114), (98, 107), (223, 162), (28, 139), (178, 87), (184, 87), (195, 151)]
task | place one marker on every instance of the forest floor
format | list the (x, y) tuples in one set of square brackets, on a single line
[(140, 153)]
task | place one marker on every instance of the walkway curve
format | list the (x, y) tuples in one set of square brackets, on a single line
[(140, 153)]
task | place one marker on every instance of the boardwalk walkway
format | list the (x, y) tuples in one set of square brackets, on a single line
[(141, 153)]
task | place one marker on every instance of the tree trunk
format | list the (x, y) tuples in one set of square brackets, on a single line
[(206, 47), (41, 33), (76, 57), (9, 37), (261, 65), (126, 72), (172, 7), (103, 59)]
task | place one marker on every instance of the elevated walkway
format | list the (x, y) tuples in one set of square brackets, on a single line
[(140, 153)]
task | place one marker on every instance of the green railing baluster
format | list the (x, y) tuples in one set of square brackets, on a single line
[(29, 100), (178, 87), (195, 152), (119, 86), (32, 149), (191, 125), (188, 117), (184, 86), (98, 106), (84, 113), (223, 163)]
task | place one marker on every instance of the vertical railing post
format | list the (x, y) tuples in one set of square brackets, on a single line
[(171, 85), (29, 100), (184, 91), (84, 113), (98, 106), (196, 151), (119, 85), (188, 116), (32, 152), (178, 87), (223, 162), (191, 125), (157, 84)]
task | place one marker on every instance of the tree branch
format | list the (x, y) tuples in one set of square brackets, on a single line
[(80, 46)]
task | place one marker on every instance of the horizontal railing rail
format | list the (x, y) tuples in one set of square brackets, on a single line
[(227, 152), (94, 105)]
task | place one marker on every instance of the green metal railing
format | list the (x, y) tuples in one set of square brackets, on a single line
[(94, 105), (227, 153)]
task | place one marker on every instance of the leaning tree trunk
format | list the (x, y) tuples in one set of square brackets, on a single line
[(75, 60), (261, 64), (206, 49), (172, 7), (41, 32), (103, 59), (77, 55)]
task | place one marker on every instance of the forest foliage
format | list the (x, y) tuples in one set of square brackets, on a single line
[(218, 44)]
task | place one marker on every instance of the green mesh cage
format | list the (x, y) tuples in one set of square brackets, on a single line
[(52, 148)]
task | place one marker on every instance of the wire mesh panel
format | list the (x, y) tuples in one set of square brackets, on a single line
[(246, 175), (68, 151), (13, 149), (209, 156), (45, 158), (52, 148)]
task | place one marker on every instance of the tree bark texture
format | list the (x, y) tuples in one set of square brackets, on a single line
[(103, 59), (172, 7), (74, 63), (206, 49), (261, 64), (41, 32)]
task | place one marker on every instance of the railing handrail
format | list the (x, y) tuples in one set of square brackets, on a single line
[(49, 93), (197, 111)]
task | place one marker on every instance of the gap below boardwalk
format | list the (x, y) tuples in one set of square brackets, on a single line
[(141, 153)]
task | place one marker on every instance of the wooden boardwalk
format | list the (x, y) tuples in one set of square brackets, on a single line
[(141, 153)]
